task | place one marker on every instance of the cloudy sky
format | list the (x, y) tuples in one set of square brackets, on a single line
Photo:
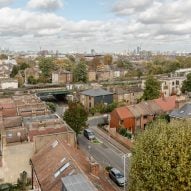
[(105, 25)]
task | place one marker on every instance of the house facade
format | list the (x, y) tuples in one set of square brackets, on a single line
[(62, 77), (92, 97), (171, 86)]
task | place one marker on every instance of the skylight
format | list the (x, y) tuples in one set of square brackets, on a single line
[(62, 169), (54, 144)]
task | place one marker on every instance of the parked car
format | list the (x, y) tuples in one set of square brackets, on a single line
[(89, 134), (117, 177)]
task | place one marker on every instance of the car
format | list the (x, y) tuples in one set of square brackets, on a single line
[(117, 177), (89, 134)]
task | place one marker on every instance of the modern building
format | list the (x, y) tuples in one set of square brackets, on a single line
[(8, 83), (183, 72), (172, 85), (92, 97)]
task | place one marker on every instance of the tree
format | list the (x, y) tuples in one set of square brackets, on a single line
[(51, 106), (107, 59), (161, 158), (186, 86), (14, 71), (76, 116), (23, 182), (152, 88), (47, 66), (32, 80), (80, 72), (3, 57)]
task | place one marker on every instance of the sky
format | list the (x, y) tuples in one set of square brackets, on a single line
[(103, 25)]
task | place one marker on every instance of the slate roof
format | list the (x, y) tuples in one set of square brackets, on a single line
[(77, 182), (182, 113), (96, 92)]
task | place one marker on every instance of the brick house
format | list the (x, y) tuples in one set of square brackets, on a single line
[(142, 113), (91, 76), (62, 77), (53, 165), (90, 98), (122, 117)]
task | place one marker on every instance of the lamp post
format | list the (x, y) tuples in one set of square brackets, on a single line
[(127, 155), (89, 148)]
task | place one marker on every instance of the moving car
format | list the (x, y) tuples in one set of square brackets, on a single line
[(89, 134), (117, 177)]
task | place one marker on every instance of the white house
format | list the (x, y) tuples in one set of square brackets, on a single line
[(8, 84)]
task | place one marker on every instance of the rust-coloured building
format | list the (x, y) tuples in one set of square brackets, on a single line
[(122, 117)]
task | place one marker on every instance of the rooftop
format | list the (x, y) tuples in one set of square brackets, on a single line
[(166, 103), (28, 120), (77, 182), (96, 92)]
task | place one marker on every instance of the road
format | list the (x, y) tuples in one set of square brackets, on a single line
[(104, 151)]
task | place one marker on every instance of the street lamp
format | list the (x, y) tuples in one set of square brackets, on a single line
[(127, 155), (89, 148)]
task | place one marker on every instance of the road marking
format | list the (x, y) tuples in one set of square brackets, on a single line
[(107, 140)]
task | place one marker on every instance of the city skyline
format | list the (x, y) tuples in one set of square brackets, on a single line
[(104, 25)]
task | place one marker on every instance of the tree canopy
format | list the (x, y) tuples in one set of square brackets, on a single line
[(152, 88), (80, 72), (47, 66), (76, 116), (186, 86), (161, 158)]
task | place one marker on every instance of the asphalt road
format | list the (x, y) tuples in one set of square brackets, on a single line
[(103, 151)]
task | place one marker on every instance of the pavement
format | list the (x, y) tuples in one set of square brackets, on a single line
[(106, 151), (16, 160)]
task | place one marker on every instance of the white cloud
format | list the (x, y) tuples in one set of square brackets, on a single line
[(149, 25), (128, 7), (47, 5), (5, 2)]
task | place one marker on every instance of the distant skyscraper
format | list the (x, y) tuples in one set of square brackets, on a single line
[(93, 52), (138, 50)]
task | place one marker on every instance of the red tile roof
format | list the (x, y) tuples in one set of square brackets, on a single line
[(123, 113), (166, 103)]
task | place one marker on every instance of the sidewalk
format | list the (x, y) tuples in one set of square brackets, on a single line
[(111, 140)]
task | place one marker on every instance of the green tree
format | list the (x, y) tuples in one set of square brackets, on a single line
[(32, 80), (47, 66), (14, 71), (51, 106), (152, 88), (107, 59), (186, 86), (80, 72), (161, 158), (3, 57), (76, 116), (23, 181)]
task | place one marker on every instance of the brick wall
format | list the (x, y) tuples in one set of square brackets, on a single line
[(42, 140)]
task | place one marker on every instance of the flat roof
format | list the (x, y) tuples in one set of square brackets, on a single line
[(96, 92), (27, 120), (77, 182)]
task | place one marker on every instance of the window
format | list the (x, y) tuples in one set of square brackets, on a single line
[(173, 83), (177, 82), (62, 169)]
